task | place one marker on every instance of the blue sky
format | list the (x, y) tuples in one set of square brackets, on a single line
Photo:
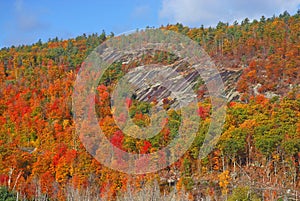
[(27, 21)]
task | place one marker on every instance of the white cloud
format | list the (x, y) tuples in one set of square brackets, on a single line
[(197, 12)]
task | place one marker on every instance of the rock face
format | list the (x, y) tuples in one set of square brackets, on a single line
[(158, 83), (177, 82)]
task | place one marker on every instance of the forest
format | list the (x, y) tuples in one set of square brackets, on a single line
[(256, 158)]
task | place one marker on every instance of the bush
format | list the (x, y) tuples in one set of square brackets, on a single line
[(6, 195), (243, 194)]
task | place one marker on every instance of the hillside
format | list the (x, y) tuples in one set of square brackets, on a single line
[(256, 158)]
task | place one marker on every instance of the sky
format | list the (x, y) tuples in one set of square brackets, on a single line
[(27, 21)]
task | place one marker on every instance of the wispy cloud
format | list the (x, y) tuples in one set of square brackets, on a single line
[(26, 18), (141, 11), (24, 24), (197, 12)]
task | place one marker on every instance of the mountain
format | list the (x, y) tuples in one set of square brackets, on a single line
[(256, 157)]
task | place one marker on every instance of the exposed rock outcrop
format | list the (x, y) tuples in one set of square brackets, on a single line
[(178, 82)]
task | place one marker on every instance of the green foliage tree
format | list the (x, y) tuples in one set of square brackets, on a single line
[(6, 195)]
